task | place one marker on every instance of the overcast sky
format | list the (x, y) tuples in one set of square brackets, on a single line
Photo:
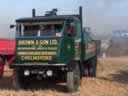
[(103, 16)]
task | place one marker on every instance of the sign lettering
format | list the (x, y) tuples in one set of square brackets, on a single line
[(36, 49)]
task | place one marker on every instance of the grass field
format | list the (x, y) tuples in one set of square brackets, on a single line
[(112, 80)]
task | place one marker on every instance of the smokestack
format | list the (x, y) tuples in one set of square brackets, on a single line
[(33, 13)]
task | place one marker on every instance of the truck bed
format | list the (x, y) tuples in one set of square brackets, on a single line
[(7, 46)]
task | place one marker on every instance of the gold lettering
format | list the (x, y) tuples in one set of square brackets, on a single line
[(52, 48), (36, 58), (26, 48), (36, 53), (26, 42), (44, 42), (37, 42), (53, 42)]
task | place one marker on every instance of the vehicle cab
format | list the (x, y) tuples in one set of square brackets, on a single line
[(47, 40)]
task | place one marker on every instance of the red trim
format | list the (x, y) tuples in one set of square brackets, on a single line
[(7, 46), (6, 39), (1, 68)]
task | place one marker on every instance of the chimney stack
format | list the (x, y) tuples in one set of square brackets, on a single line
[(33, 13)]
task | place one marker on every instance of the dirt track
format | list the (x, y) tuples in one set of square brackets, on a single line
[(112, 80)]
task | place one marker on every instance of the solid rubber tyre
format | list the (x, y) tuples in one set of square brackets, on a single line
[(19, 80), (73, 79)]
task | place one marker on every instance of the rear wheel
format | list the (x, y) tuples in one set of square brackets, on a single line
[(92, 64), (19, 80), (85, 72), (1, 67), (73, 79)]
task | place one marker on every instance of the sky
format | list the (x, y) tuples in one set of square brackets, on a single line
[(103, 16)]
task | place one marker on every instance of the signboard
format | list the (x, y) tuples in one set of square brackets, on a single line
[(120, 36), (36, 49)]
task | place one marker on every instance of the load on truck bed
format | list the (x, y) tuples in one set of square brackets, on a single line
[(7, 52)]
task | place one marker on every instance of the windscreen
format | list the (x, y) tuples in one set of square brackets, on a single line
[(41, 29)]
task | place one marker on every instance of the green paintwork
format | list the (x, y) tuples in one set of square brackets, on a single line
[(63, 54), (38, 48), (67, 48)]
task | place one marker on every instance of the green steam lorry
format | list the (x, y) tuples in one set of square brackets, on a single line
[(53, 46)]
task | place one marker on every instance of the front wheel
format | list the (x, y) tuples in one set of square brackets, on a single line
[(73, 79), (19, 80)]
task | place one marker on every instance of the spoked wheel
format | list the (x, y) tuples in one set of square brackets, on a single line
[(92, 65), (1, 67), (19, 80), (73, 79)]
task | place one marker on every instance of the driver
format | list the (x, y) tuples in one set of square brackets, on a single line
[(69, 30)]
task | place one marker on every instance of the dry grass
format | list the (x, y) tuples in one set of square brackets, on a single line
[(112, 80)]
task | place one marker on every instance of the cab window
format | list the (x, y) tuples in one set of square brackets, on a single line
[(69, 30), (40, 29), (31, 30), (18, 30)]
